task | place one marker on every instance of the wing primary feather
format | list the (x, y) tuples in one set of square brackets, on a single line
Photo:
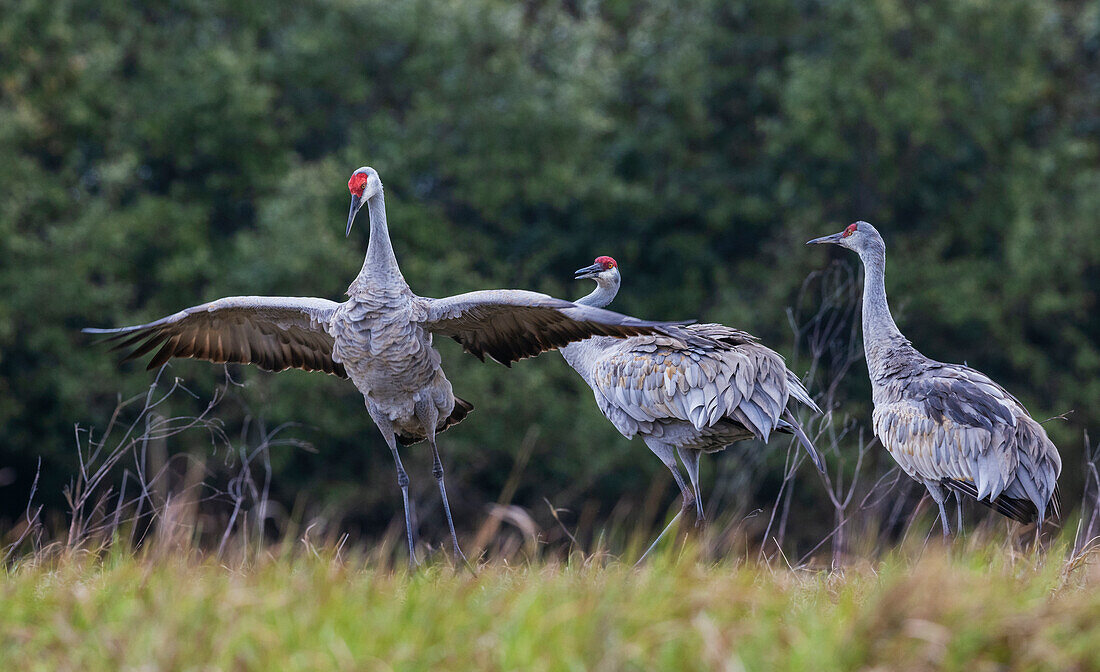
[(274, 333)]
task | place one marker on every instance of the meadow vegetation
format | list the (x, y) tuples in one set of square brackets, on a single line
[(979, 605)]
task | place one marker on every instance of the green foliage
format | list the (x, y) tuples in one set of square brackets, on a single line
[(158, 157)]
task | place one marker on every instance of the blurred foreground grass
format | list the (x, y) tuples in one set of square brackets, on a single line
[(972, 607)]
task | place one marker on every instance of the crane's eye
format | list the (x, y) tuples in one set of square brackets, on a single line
[(357, 183), (849, 231)]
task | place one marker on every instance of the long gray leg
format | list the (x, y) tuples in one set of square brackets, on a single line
[(690, 458), (665, 453), (386, 428), (437, 471), (660, 536), (959, 510), (940, 496), (403, 483), (428, 415)]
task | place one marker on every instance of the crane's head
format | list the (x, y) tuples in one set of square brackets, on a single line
[(603, 270), (363, 185), (858, 236)]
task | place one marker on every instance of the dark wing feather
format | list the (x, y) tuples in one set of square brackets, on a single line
[(720, 333), (1017, 509), (273, 332), (962, 401), (510, 324)]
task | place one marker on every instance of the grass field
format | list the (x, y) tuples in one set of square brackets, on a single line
[(146, 578), (973, 607)]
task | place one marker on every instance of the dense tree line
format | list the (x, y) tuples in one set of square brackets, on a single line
[(157, 156)]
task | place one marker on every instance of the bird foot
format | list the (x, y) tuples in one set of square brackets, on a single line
[(690, 507), (460, 556)]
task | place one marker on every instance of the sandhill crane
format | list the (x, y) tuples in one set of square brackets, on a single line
[(381, 338), (689, 390), (948, 426)]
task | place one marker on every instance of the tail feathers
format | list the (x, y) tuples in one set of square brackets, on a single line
[(1038, 469), (1022, 510), (808, 445), (754, 419), (462, 409), (798, 391), (1036, 481)]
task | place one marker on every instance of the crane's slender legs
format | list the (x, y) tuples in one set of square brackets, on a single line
[(661, 535), (690, 458), (386, 427), (943, 519), (940, 496), (428, 415), (437, 471), (403, 483), (665, 453), (959, 511)]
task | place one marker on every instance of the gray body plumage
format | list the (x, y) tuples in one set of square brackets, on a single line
[(696, 385), (380, 338), (948, 426), (689, 390)]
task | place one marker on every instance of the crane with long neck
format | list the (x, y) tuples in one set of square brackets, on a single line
[(948, 426), (380, 338), (688, 390)]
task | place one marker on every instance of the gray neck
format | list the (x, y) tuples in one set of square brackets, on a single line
[(603, 295), (582, 354), (380, 266), (881, 335)]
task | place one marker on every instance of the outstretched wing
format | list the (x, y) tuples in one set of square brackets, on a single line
[(510, 324), (272, 332)]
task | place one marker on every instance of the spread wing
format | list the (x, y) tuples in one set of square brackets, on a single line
[(954, 425), (272, 332), (511, 324)]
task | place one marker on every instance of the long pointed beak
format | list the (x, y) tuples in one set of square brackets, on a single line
[(834, 239), (587, 272), (356, 203)]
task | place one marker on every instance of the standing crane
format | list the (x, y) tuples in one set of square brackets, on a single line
[(380, 337), (687, 390), (948, 426)]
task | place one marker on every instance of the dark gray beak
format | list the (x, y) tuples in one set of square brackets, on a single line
[(588, 272), (356, 203), (834, 239)]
